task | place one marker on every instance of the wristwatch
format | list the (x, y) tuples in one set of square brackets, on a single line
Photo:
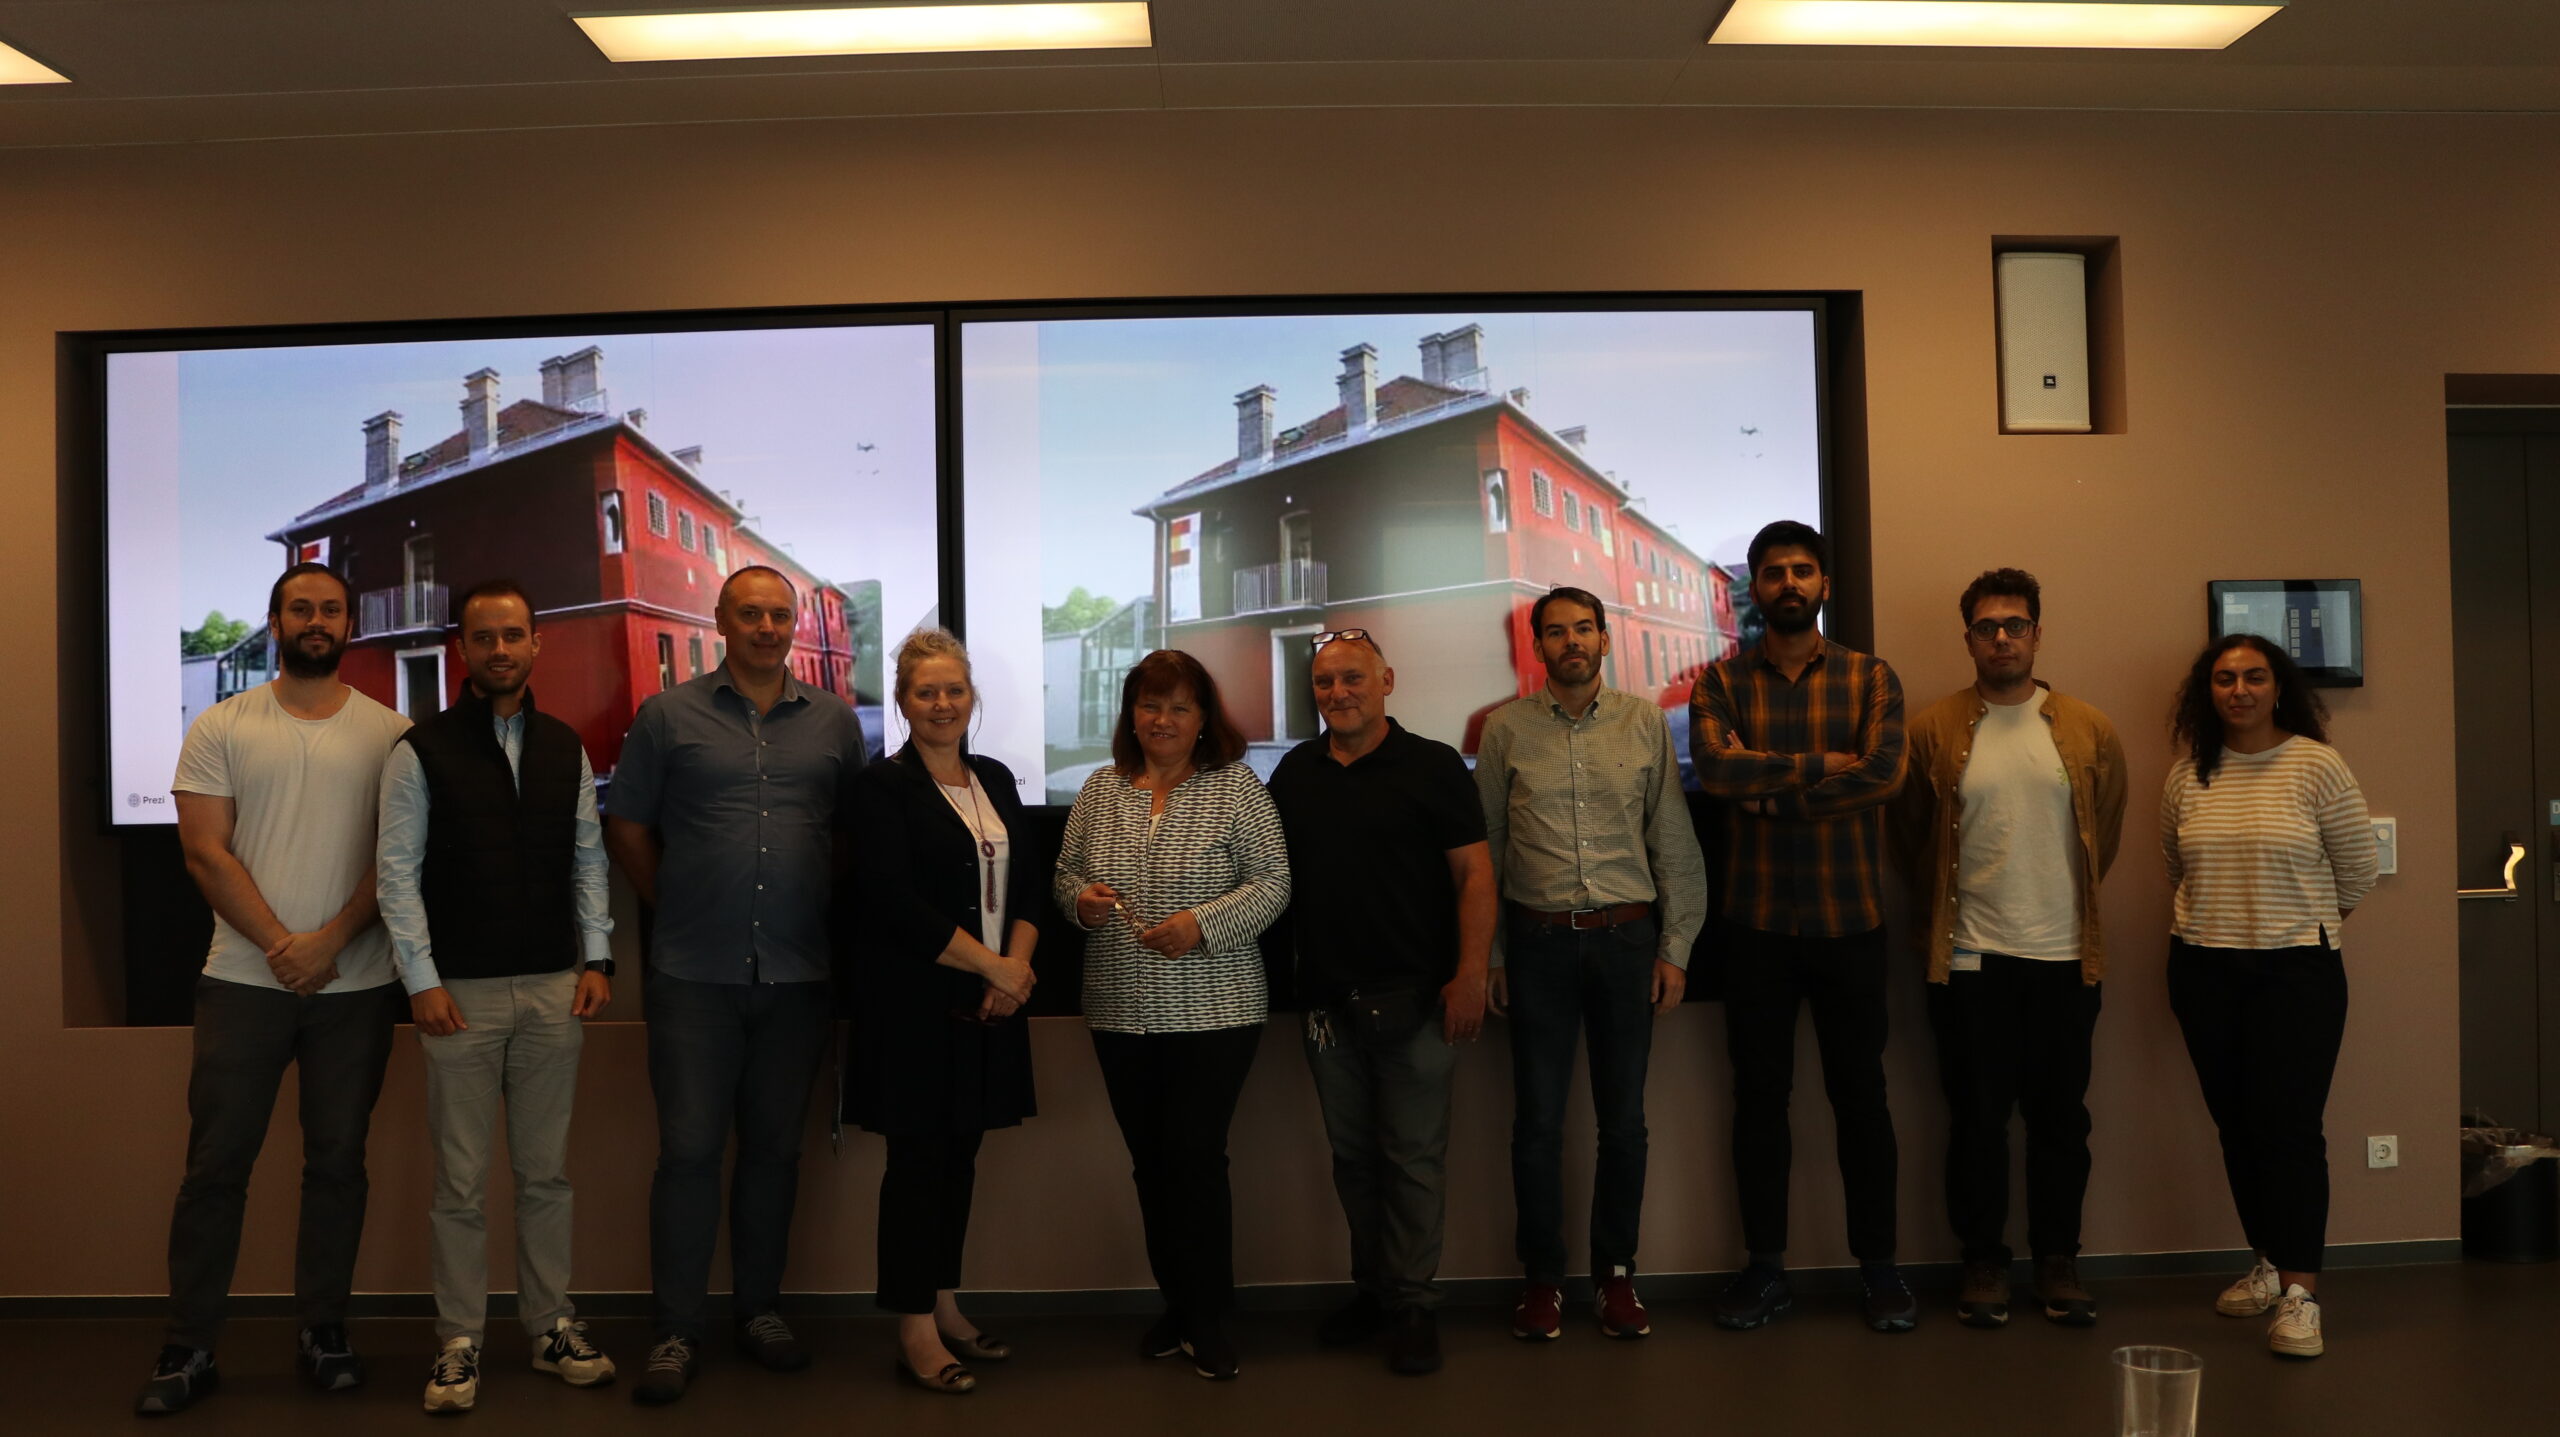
[(601, 965)]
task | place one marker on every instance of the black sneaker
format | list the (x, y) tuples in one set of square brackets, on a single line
[(1756, 1297), (1163, 1338), (669, 1373), (767, 1338), (1890, 1305), (1211, 1354), (1364, 1319), (328, 1360), (182, 1375), (1413, 1342)]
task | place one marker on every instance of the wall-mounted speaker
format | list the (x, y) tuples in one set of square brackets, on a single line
[(2044, 342)]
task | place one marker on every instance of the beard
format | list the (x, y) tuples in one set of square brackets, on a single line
[(1787, 619), (303, 664)]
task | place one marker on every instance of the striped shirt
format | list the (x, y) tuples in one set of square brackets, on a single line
[(1217, 851), (2272, 852), (1813, 866), (1587, 813)]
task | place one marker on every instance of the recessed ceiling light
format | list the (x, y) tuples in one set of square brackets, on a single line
[(866, 30), (2056, 24), (17, 67)]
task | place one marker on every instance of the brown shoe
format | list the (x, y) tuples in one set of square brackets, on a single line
[(2065, 1300), (1985, 1299)]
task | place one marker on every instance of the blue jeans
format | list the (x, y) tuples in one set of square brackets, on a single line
[(1567, 983), (718, 1053)]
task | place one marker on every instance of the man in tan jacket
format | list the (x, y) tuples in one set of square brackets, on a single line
[(2007, 822)]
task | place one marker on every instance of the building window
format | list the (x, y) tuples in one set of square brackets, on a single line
[(1497, 502), (1542, 494), (657, 513), (1607, 536), (666, 657), (693, 654), (610, 507), (1572, 511), (1648, 658), (684, 531), (711, 545), (1635, 549)]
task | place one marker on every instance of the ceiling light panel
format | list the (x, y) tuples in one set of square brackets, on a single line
[(19, 68), (867, 30), (2024, 24)]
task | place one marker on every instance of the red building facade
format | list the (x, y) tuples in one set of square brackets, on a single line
[(620, 543), (1434, 511)]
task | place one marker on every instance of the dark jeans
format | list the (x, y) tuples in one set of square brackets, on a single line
[(1386, 1114), (2263, 1028), (244, 1038), (723, 1052), (1567, 983), (1767, 977), (1174, 1095), (924, 1217), (2015, 1035)]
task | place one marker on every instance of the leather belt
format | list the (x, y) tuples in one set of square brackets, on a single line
[(1586, 918)]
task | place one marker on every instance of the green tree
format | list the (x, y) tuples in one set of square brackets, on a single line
[(216, 634), (1080, 611), (863, 618)]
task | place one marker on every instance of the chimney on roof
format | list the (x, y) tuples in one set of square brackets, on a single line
[(1434, 369), (1253, 423), (382, 452), (480, 410), (637, 418), (1575, 436), (569, 379), (1462, 355), (1520, 397), (1358, 384), (690, 457)]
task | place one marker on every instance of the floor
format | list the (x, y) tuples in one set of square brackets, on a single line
[(2450, 1348)]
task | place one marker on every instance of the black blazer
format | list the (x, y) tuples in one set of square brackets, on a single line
[(914, 1069)]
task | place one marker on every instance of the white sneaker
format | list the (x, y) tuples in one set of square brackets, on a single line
[(454, 1382), (566, 1351), (2252, 1294), (2296, 1331)]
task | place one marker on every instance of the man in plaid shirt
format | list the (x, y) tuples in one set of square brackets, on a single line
[(1802, 739)]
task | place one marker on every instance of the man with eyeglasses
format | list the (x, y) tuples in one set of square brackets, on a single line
[(1802, 738), (1604, 891), (2007, 823), (1391, 914)]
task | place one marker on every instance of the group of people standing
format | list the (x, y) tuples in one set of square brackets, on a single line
[(1562, 884)]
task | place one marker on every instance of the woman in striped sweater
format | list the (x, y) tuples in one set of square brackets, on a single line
[(2269, 850), (1173, 864)]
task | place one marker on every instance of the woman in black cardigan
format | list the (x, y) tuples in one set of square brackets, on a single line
[(942, 932)]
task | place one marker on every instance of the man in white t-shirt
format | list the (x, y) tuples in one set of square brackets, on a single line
[(2008, 819), (277, 791)]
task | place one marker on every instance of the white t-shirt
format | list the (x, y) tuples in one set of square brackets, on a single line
[(978, 813), (306, 792), (2018, 868)]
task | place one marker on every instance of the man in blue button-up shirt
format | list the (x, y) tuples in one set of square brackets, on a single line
[(729, 786)]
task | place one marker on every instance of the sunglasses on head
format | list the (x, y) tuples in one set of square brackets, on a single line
[(1320, 640)]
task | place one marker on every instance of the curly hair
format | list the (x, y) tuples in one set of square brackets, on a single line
[(2007, 584), (2196, 726), (1169, 671)]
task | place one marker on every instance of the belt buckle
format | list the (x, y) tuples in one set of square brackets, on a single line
[(1573, 919)]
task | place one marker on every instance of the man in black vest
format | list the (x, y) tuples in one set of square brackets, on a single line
[(492, 874)]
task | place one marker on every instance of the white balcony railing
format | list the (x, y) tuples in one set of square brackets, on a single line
[(410, 606), (1289, 584)]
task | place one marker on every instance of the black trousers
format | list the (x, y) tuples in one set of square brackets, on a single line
[(1174, 1095), (1767, 977), (245, 1036), (925, 1193), (2263, 1028), (2015, 1035)]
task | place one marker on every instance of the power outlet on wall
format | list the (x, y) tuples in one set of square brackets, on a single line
[(2382, 1152)]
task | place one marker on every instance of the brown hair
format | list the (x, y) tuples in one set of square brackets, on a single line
[(1162, 672)]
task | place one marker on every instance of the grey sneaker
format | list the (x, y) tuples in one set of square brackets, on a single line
[(2254, 1293), (328, 1359), (182, 1375)]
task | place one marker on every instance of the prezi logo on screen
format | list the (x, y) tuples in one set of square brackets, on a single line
[(137, 800)]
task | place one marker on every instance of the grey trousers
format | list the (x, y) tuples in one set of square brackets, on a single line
[(1386, 1114), (518, 1051)]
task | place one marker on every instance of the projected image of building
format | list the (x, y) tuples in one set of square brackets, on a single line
[(619, 540), (1432, 509)]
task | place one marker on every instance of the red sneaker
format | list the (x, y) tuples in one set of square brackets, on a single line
[(1540, 1315), (1620, 1313)]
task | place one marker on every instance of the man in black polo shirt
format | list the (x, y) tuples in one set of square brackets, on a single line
[(1393, 912)]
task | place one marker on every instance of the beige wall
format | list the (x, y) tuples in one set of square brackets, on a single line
[(2295, 288)]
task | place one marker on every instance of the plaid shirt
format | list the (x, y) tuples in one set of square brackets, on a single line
[(1814, 864)]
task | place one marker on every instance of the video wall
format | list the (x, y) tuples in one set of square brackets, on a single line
[(1230, 483)]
